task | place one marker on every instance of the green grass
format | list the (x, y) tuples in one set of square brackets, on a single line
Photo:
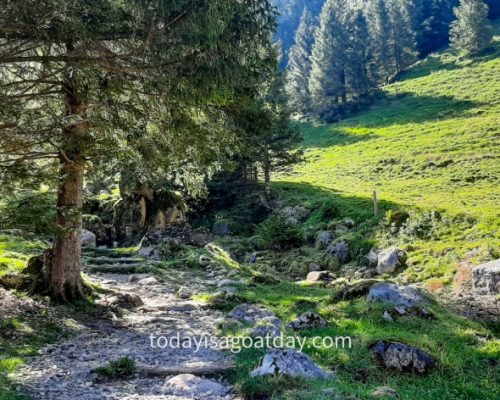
[(432, 142), (15, 252), (466, 353)]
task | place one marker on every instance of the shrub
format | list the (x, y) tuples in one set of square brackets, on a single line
[(278, 234), (121, 368)]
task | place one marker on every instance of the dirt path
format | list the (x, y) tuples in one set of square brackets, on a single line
[(64, 370)]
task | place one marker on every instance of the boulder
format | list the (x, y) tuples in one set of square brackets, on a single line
[(95, 225), (296, 215), (289, 362), (193, 387), (390, 259), (339, 250), (323, 240), (401, 357), (371, 259), (319, 277), (486, 278), (149, 252), (395, 295), (308, 320), (264, 331), (88, 239), (250, 314)]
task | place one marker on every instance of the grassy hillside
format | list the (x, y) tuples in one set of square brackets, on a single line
[(431, 143)]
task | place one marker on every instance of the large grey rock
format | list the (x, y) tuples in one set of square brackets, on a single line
[(193, 387), (323, 240), (401, 357), (150, 252), (88, 239), (339, 250), (250, 314), (308, 320), (390, 259), (395, 295), (486, 278), (289, 362), (295, 215)]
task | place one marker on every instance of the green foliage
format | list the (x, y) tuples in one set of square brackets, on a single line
[(279, 234), (471, 32), (117, 369)]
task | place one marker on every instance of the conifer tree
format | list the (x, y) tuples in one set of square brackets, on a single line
[(299, 66), (327, 79), (471, 32), (382, 66), (358, 55), (403, 33)]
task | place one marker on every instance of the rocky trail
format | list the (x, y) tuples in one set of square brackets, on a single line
[(65, 370)]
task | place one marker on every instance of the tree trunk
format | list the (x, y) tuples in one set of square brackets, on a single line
[(65, 283)]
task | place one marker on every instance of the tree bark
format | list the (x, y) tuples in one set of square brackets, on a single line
[(65, 283)]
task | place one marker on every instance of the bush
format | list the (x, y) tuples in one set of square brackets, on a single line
[(121, 368), (278, 234)]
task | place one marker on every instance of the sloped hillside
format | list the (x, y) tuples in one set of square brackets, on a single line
[(431, 143)]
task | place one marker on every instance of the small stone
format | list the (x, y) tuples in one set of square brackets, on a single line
[(148, 281), (385, 391), (319, 277), (308, 320), (388, 317)]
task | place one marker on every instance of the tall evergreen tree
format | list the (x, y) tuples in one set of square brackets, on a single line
[(471, 32), (327, 79), (358, 56), (299, 66), (87, 82), (403, 33), (382, 66)]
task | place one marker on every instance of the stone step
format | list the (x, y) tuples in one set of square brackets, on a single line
[(112, 260), (121, 268), (112, 253)]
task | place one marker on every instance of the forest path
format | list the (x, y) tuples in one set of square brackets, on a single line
[(64, 370)]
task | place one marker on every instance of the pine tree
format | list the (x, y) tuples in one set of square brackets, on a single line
[(380, 24), (358, 56), (299, 66), (471, 32), (86, 83), (327, 79), (403, 33)]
